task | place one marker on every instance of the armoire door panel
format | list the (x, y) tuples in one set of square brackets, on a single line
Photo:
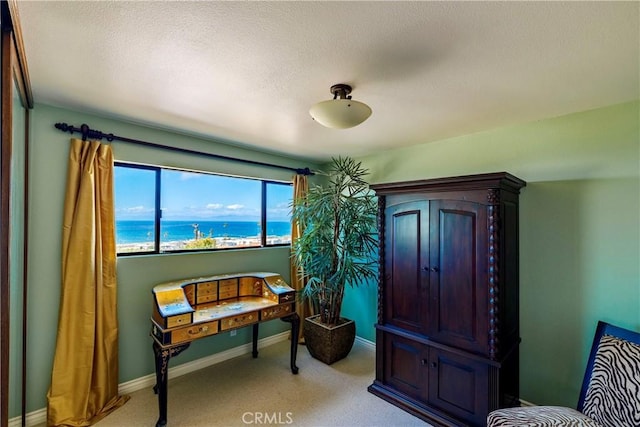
[(407, 367), (457, 289), (407, 254), (458, 385), (455, 275)]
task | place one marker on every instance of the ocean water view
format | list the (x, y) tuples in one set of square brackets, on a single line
[(134, 231), (138, 234)]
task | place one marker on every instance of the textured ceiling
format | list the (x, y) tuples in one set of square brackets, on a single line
[(247, 72)]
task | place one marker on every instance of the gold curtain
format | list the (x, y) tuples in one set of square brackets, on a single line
[(84, 380), (303, 307)]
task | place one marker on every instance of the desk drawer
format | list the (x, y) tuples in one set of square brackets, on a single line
[(228, 289), (207, 291), (277, 311), (194, 332), (182, 319), (238, 321)]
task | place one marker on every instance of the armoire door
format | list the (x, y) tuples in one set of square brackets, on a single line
[(406, 367), (459, 385), (458, 273), (406, 284)]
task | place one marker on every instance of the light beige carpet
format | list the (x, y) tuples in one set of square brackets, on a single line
[(255, 392)]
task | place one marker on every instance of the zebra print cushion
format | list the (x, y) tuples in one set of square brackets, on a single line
[(612, 398), (613, 394), (539, 416)]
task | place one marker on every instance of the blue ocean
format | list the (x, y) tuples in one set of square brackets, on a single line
[(142, 231)]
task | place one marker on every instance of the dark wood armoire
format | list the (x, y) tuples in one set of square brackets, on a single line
[(448, 331)]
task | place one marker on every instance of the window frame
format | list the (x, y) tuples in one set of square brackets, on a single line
[(158, 211)]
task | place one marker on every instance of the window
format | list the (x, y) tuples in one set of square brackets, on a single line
[(161, 210), (135, 196), (278, 213)]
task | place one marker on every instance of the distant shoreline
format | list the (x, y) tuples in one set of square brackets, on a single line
[(220, 243), (140, 233)]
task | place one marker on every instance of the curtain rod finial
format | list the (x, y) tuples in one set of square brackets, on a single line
[(64, 127), (304, 171)]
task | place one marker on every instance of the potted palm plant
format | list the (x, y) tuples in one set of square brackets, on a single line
[(335, 249)]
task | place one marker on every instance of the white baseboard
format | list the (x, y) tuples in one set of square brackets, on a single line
[(40, 416), (369, 344), (32, 418), (186, 368), (526, 403)]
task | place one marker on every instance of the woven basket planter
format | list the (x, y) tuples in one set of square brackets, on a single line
[(329, 344)]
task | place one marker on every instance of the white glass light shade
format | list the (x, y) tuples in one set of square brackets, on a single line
[(340, 113)]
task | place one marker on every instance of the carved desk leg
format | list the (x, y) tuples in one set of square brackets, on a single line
[(162, 357), (294, 319), (255, 340)]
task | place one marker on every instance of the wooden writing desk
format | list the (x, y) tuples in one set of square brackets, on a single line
[(190, 309)]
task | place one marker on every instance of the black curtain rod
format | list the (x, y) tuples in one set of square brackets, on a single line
[(87, 132)]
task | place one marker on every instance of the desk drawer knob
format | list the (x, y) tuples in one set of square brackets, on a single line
[(199, 330)]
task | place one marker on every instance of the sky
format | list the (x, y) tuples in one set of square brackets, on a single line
[(196, 196)]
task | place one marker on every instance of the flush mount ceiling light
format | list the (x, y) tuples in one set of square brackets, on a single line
[(341, 112)]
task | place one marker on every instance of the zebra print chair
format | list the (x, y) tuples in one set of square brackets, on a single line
[(610, 394)]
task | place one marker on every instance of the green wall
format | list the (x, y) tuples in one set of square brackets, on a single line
[(137, 274), (579, 232), (579, 229)]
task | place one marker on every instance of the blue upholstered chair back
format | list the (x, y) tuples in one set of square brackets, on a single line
[(610, 393)]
